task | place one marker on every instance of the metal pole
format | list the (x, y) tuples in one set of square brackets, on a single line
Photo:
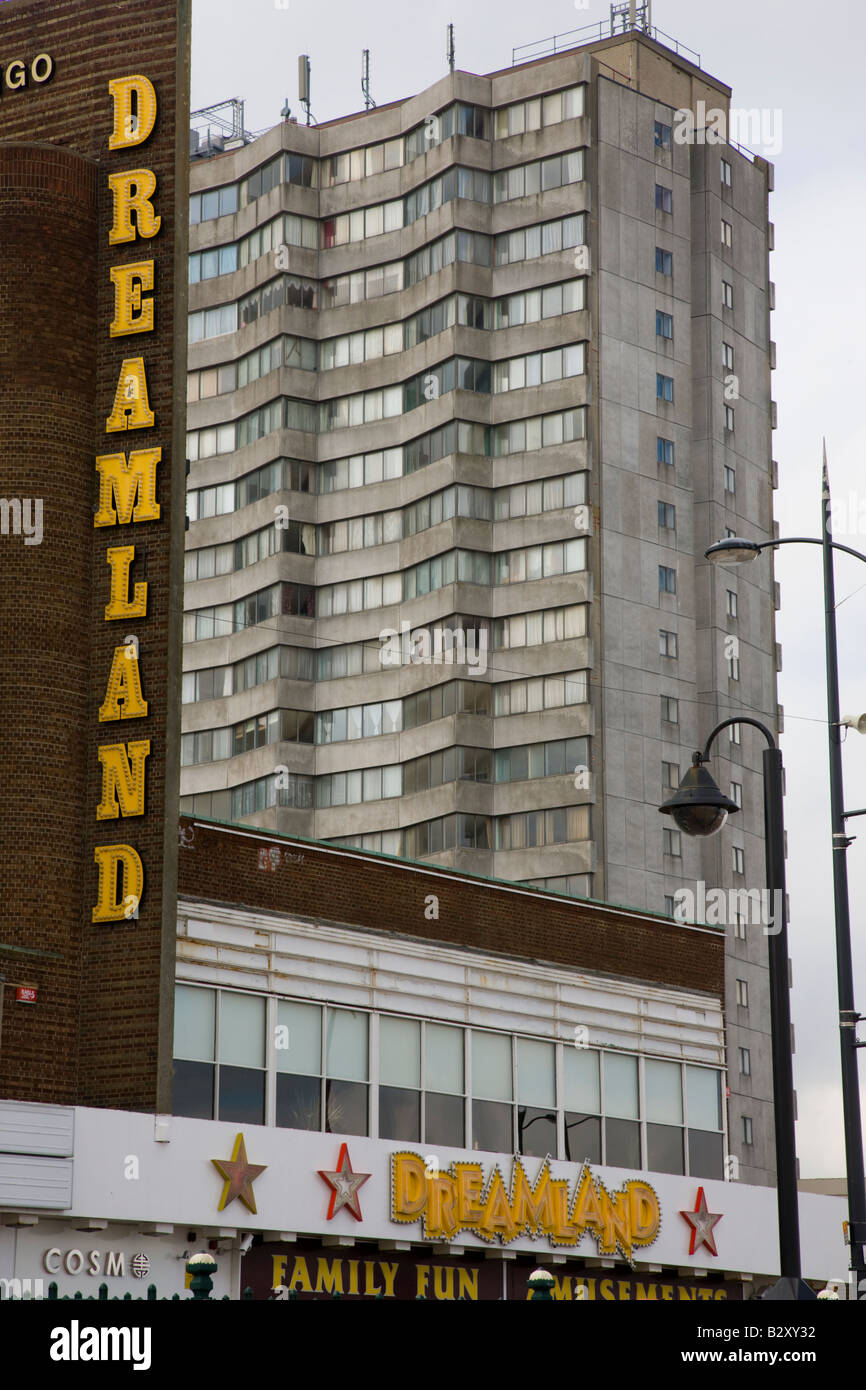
[(790, 1285), (780, 1020), (844, 966)]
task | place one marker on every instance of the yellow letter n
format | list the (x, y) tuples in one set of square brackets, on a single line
[(122, 781)]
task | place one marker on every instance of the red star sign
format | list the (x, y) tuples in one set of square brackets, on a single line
[(344, 1185), (702, 1222)]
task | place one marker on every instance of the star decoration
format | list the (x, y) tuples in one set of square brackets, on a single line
[(239, 1176), (702, 1222), (344, 1185)]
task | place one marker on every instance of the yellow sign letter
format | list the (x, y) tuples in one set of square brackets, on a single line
[(130, 399), (124, 687), (131, 313), (127, 483), (120, 558), (113, 904), (131, 128), (122, 783), (132, 190)]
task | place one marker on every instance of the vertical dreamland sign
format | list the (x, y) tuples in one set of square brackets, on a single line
[(94, 100)]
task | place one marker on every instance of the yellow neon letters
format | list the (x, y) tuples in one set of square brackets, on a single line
[(127, 495)]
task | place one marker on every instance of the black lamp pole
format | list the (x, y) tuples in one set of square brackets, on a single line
[(692, 808), (733, 550), (848, 1017)]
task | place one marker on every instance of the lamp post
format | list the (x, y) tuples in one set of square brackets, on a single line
[(699, 808), (736, 550)]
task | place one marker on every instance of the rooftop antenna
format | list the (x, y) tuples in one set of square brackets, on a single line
[(451, 47), (630, 14), (286, 112), (365, 80), (304, 83)]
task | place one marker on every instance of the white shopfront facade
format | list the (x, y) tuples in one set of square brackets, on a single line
[(144, 1194), (446, 1061)]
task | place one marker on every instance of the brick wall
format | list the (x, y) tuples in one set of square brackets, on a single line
[(348, 887), (99, 1033)]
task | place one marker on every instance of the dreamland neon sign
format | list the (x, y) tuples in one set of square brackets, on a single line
[(460, 1200), (127, 495)]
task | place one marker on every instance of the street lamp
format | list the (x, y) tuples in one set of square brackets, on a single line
[(699, 808), (735, 550)]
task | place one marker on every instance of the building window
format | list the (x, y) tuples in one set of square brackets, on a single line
[(664, 261), (733, 668), (667, 514), (737, 793), (324, 1068), (727, 294), (667, 580), (726, 173), (662, 135), (738, 862), (729, 425), (670, 709), (745, 1062), (732, 603), (740, 926), (401, 1095), (664, 199), (664, 387), (727, 357), (219, 1069), (671, 843), (734, 733), (730, 479), (665, 451), (727, 233), (668, 644), (670, 776), (747, 1129), (670, 905), (743, 993), (664, 324), (622, 1102)]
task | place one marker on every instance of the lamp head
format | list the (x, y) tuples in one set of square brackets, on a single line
[(698, 806), (733, 551)]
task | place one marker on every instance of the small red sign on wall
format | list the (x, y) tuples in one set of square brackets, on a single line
[(25, 994)]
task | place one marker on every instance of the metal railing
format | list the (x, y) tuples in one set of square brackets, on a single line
[(592, 33)]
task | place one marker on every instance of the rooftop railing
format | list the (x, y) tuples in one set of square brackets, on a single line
[(592, 33)]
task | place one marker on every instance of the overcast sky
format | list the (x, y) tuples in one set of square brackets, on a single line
[(805, 63)]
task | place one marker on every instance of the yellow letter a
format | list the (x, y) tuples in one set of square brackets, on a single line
[(130, 399), (124, 687)]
